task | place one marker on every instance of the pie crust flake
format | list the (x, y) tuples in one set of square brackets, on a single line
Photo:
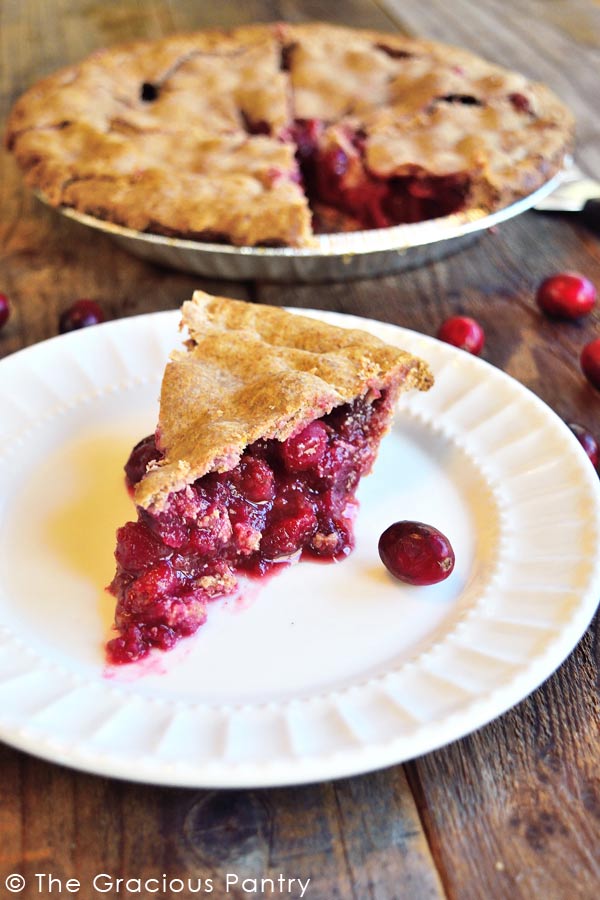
[(270, 134), (268, 420)]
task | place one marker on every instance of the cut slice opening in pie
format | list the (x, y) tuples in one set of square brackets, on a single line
[(268, 420), (346, 192)]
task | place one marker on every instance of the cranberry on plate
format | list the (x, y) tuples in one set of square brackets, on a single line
[(566, 295), (81, 314), (463, 332), (416, 553)]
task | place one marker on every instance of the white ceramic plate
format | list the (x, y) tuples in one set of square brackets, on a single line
[(323, 671)]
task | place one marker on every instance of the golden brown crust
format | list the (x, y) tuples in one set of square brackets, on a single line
[(252, 371), (126, 135)]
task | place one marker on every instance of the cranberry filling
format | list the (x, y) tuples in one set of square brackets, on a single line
[(520, 102), (251, 126), (144, 452), (282, 500), (337, 177)]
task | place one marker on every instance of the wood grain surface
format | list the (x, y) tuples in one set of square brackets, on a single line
[(512, 811)]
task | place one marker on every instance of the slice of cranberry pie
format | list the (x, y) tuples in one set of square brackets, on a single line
[(267, 422)]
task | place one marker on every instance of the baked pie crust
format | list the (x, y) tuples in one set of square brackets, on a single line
[(267, 422), (269, 133)]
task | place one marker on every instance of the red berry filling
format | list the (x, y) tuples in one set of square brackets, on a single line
[(254, 126), (282, 500), (336, 176), (520, 102), (144, 452)]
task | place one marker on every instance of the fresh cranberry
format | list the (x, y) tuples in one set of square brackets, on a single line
[(4, 310), (306, 449), (81, 314), (416, 553), (463, 332), (590, 362), (567, 295), (587, 441), (144, 452)]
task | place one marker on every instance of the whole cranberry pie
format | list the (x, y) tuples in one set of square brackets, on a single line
[(267, 422), (269, 134)]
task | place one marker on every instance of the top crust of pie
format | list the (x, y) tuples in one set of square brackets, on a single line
[(128, 136), (253, 371)]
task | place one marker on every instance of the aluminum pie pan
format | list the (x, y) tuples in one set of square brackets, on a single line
[(336, 257)]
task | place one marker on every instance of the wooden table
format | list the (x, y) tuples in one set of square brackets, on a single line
[(511, 811)]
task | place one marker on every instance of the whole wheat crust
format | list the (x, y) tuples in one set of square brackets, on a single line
[(252, 371)]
